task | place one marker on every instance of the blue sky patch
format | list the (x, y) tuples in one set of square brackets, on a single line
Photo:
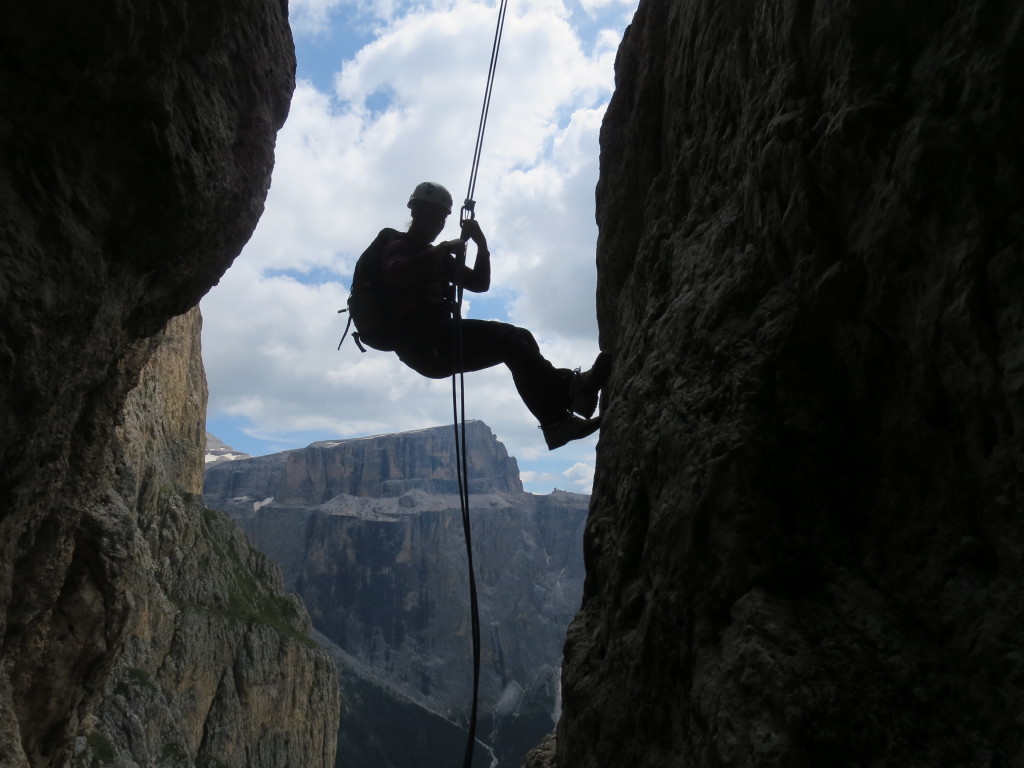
[(314, 276), (319, 57)]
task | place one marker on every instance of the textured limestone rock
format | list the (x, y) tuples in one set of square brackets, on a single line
[(216, 666), (381, 567), (136, 143), (543, 755), (806, 541)]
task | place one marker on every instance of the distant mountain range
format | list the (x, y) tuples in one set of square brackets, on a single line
[(368, 532), (219, 451)]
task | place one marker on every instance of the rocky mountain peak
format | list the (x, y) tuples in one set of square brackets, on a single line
[(217, 450), (368, 532)]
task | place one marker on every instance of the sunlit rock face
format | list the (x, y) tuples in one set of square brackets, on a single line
[(216, 665), (136, 144), (805, 545)]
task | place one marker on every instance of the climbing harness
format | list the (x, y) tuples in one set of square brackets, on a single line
[(468, 211)]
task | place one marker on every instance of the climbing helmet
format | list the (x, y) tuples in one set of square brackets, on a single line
[(429, 192)]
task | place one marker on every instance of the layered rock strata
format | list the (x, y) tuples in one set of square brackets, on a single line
[(368, 531), (137, 144), (806, 544), (371, 467)]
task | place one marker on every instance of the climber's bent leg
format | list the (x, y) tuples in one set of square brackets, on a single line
[(427, 348)]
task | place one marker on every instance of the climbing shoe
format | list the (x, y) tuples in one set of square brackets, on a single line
[(568, 429), (584, 387)]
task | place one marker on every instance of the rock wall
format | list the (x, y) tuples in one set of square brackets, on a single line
[(136, 144), (216, 666), (392, 592), (805, 546)]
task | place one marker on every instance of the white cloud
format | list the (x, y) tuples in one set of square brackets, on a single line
[(311, 16), (581, 477), (405, 109), (595, 7)]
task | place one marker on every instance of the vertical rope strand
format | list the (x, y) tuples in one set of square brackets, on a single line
[(486, 107), (459, 397), (462, 475)]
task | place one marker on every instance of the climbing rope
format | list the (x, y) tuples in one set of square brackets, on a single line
[(459, 391), (462, 473), (468, 209)]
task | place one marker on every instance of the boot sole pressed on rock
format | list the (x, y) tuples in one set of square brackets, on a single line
[(585, 401)]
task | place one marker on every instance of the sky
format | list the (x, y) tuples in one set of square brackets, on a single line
[(389, 94)]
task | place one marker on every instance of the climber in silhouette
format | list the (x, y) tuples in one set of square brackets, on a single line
[(421, 280)]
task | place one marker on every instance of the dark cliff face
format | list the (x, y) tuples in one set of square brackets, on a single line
[(136, 143), (805, 546)]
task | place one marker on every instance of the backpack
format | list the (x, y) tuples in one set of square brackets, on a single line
[(369, 302)]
